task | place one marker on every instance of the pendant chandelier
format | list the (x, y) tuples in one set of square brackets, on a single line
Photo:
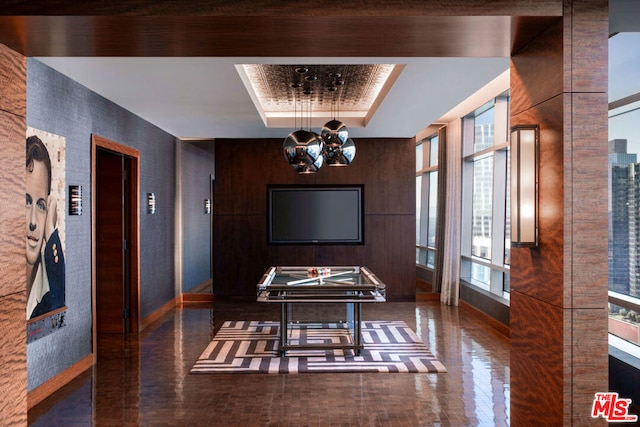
[(305, 150)]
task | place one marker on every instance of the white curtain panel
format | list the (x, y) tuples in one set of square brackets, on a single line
[(450, 285)]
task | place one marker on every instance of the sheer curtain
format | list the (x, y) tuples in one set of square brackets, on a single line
[(450, 285)]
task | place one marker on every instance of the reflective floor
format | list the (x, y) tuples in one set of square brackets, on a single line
[(144, 380)]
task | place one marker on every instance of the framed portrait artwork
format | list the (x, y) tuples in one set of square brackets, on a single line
[(45, 225)]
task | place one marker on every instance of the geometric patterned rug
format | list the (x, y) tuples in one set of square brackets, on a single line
[(252, 347)]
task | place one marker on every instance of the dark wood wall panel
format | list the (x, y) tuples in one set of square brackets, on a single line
[(287, 8), (240, 255), (244, 168), (537, 362), (391, 254), (559, 291), (177, 35), (13, 334), (382, 165), (589, 226), (540, 271), (589, 368), (537, 70)]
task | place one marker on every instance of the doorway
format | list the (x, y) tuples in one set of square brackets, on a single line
[(115, 208)]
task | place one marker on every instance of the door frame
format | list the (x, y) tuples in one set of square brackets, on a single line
[(133, 187)]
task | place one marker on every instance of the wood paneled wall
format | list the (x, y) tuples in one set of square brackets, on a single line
[(317, 8), (13, 294), (244, 168), (559, 292)]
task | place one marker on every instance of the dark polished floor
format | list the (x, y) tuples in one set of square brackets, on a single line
[(144, 380)]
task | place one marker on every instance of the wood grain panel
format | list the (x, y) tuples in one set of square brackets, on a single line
[(589, 177), (286, 8), (387, 168), (13, 82), (12, 196), (244, 169), (537, 356), (589, 53), (13, 353), (13, 299), (589, 367), (537, 70), (539, 272), (240, 253), (341, 255), (174, 35), (559, 353), (390, 253)]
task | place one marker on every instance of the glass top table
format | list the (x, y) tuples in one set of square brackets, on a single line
[(350, 285)]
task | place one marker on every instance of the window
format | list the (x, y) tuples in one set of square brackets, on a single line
[(624, 192), (426, 200), (485, 197)]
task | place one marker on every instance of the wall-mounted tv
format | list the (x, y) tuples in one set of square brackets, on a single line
[(315, 214)]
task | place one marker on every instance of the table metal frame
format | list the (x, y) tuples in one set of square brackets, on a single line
[(330, 288)]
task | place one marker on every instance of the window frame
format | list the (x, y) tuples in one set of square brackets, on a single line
[(499, 270), (425, 253)]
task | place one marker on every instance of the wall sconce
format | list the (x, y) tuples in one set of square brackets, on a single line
[(207, 206), (75, 200), (524, 186), (151, 203)]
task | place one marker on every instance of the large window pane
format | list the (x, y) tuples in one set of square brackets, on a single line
[(624, 201), (433, 205), (418, 207), (431, 259), (624, 63), (480, 275), (507, 216), (484, 130), (433, 154), (486, 242), (482, 207), (426, 200), (624, 192)]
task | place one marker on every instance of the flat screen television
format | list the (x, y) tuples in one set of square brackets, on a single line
[(315, 214)]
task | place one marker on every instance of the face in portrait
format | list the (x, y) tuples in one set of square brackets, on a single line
[(38, 184), (45, 261)]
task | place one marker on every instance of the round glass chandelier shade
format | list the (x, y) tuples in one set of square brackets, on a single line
[(334, 131), (303, 151), (339, 154)]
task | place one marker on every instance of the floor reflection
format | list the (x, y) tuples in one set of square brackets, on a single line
[(144, 379)]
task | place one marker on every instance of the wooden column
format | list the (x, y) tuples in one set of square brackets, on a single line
[(559, 291), (13, 285)]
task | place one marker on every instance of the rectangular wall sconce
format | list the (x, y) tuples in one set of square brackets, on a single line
[(151, 203), (207, 206), (75, 200), (524, 186)]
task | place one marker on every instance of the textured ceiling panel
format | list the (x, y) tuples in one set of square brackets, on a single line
[(349, 89)]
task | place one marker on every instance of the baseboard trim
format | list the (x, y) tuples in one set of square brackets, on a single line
[(498, 326), (197, 298), (159, 312), (49, 387), (427, 296)]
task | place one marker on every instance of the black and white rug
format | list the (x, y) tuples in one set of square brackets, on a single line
[(252, 347)]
